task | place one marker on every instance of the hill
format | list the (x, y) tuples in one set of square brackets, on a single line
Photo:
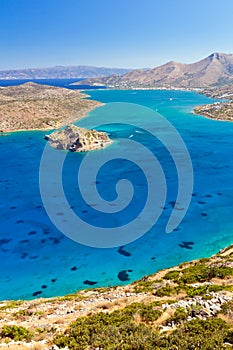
[(34, 106), (216, 69), (61, 72)]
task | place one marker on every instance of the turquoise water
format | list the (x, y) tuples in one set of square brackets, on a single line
[(38, 260)]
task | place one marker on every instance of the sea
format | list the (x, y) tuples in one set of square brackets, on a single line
[(41, 259)]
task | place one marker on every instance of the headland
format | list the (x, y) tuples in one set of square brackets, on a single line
[(34, 106)]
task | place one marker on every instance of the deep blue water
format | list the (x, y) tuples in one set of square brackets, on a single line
[(35, 254)]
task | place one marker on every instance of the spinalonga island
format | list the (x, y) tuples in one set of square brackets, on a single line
[(76, 139)]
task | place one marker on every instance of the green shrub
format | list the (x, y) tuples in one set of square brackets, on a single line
[(195, 273), (227, 307), (115, 331), (164, 291), (199, 334), (147, 312), (16, 333), (144, 286), (172, 275), (179, 316), (194, 291), (201, 273)]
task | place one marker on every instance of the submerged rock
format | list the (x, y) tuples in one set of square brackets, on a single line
[(123, 276), (76, 139)]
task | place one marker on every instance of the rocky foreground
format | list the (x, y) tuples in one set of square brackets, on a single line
[(186, 307), (76, 139), (33, 106)]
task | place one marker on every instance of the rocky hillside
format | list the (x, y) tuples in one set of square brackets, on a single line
[(213, 70), (186, 307), (221, 92), (34, 106), (61, 72)]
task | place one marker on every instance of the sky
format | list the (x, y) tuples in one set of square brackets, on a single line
[(112, 33)]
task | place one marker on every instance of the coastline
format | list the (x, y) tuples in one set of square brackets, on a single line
[(37, 107), (58, 312), (82, 115)]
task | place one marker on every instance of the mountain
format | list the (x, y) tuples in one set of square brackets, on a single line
[(216, 69), (60, 72)]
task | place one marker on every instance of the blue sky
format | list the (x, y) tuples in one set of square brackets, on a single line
[(120, 33)]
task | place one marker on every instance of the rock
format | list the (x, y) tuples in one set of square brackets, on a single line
[(193, 313), (90, 283), (122, 251), (76, 139), (123, 275)]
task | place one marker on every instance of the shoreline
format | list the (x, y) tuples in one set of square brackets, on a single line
[(85, 114), (38, 107), (69, 121), (54, 315), (225, 251)]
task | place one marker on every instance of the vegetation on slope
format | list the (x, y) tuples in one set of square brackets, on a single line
[(186, 307)]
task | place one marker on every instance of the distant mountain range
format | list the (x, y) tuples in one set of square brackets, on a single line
[(60, 72), (214, 70)]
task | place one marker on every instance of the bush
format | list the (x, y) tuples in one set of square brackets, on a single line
[(199, 334), (179, 316), (16, 333), (144, 286), (172, 275), (115, 331), (164, 291), (201, 273), (147, 312)]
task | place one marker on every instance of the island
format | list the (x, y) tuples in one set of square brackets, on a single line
[(32, 106), (76, 139)]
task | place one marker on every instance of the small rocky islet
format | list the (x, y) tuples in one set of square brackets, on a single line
[(76, 139)]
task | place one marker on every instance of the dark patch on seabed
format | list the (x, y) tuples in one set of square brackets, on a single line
[(122, 251)]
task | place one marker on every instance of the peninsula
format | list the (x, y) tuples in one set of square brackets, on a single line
[(33, 106), (222, 110)]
